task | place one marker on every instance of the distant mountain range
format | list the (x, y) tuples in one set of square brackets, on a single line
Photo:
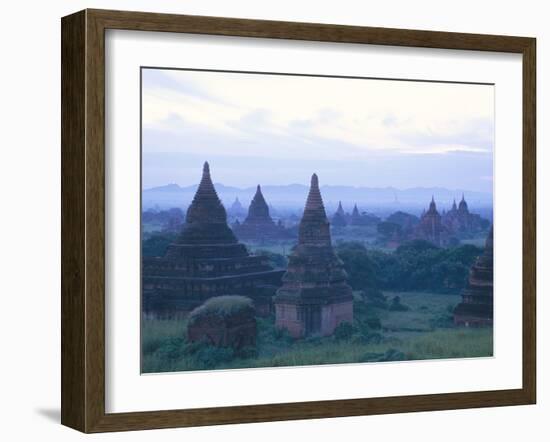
[(294, 196)]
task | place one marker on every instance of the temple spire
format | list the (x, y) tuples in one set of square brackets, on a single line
[(314, 226), (314, 203), (259, 194), (206, 187), (432, 208), (463, 206), (339, 217), (206, 209), (258, 210)]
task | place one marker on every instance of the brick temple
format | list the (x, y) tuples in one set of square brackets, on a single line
[(476, 308), (258, 225), (315, 297), (206, 260), (430, 227), (224, 321), (461, 221)]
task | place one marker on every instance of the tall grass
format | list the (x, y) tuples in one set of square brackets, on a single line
[(155, 332), (440, 344), (423, 332)]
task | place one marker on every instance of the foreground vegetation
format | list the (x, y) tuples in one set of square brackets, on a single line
[(402, 311), (416, 326)]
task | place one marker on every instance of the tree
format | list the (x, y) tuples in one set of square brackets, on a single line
[(360, 267)]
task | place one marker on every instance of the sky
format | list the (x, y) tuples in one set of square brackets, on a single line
[(278, 129)]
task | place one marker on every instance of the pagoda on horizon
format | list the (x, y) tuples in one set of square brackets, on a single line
[(315, 297), (236, 208), (339, 217), (258, 225), (430, 227)]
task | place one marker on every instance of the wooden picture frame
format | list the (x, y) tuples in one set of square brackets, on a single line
[(83, 220)]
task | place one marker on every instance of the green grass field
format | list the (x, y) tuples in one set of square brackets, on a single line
[(425, 331)]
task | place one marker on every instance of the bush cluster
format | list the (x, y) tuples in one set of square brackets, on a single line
[(415, 265)]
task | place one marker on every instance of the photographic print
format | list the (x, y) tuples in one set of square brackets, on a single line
[(297, 220)]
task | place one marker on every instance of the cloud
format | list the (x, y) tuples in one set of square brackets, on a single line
[(158, 79), (472, 135), (340, 121)]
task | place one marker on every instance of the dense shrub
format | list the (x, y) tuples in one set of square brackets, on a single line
[(171, 350), (443, 321), (374, 322), (222, 306), (270, 335), (210, 356), (415, 265), (396, 305), (344, 331), (361, 268), (374, 298), (393, 355)]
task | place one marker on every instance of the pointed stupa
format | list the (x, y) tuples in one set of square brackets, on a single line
[(432, 209), (355, 216), (206, 219), (236, 208), (453, 209), (315, 297), (258, 225), (339, 217), (206, 206), (340, 209), (430, 227), (258, 211), (463, 206), (314, 226)]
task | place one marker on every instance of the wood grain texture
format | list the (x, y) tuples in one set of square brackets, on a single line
[(73, 257), (83, 220), (529, 220)]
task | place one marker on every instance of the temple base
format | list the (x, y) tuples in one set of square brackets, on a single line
[(303, 320), (473, 315)]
